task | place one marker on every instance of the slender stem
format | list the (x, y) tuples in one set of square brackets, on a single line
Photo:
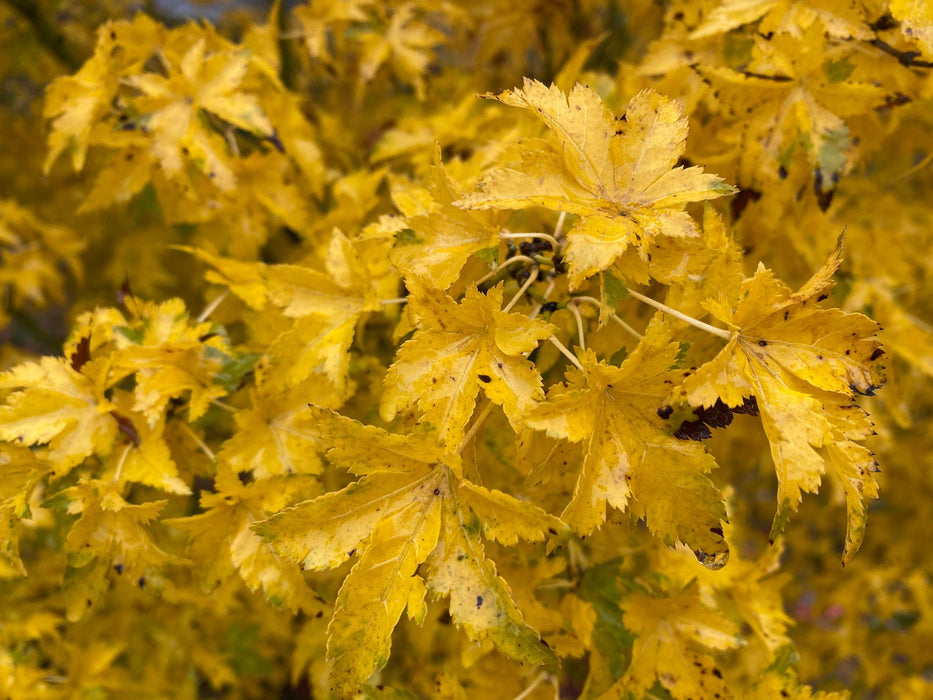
[(116, 475), (204, 315), (530, 689), (537, 308), (543, 236), (500, 268), (224, 406), (722, 333), (580, 335), (559, 228), (397, 300), (524, 288), (198, 441), (566, 353), (231, 142), (615, 317), (474, 428)]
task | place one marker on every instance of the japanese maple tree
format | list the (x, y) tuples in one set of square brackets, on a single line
[(511, 350)]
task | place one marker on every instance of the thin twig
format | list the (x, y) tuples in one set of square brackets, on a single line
[(204, 315), (198, 441), (559, 227), (724, 334), (474, 428), (614, 317), (500, 268), (524, 288), (580, 335), (566, 353), (534, 684), (116, 475), (543, 236), (905, 58)]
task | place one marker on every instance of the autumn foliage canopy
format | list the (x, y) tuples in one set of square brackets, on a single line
[(489, 349)]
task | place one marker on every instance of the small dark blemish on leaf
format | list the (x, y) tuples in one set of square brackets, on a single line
[(437, 492), (479, 602), (82, 354), (876, 354), (717, 673), (822, 296), (141, 582), (716, 531), (665, 412), (351, 552), (819, 357), (763, 343), (484, 378)]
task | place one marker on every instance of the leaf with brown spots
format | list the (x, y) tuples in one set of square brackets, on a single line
[(803, 364)]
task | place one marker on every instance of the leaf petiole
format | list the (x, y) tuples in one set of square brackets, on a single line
[(498, 273), (524, 288), (614, 317), (721, 332), (580, 334), (566, 353), (543, 236)]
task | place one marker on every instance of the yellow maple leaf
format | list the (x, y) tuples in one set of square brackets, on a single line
[(439, 241), (170, 356), (409, 508), (617, 175), (276, 435), (110, 527), (57, 405), (802, 363), (75, 103), (786, 17), (327, 308), (146, 457), (221, 535), (172, 105), (674, 636), (34, 255), (630, 459), (458, 349), (320, 21), (21, 472), (749, 589), (405, 44), (916, 20), (795, 93)]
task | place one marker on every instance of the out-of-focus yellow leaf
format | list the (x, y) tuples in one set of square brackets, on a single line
[(674, 637), (55, 405)]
